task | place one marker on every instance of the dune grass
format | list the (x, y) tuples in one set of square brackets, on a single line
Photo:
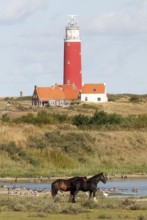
[(45, 208), (51, 151), (31, 147)]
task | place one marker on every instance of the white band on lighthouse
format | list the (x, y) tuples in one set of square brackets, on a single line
[(72, 30)]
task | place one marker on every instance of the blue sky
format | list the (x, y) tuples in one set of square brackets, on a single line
[(113, 40)]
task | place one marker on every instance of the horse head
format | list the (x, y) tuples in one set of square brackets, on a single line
[(103, 178)]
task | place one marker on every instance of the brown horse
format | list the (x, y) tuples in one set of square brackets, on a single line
[(64, 185)]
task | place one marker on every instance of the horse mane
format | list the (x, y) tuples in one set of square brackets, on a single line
[(96, 176)]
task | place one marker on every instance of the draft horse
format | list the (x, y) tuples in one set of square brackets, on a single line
[(89, 185), (65, 185)]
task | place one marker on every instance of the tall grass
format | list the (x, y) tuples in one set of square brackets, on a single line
[(47, 143), (52, 152)]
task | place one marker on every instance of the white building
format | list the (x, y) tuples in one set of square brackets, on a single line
[(94, 93)]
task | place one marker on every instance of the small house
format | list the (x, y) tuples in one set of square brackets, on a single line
[(94, 93), (57, 95)]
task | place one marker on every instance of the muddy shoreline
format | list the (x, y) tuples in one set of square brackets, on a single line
[(48, 179)]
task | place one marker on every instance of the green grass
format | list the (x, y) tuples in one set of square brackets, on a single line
[(67, 153), (44, 208), (46, 143)]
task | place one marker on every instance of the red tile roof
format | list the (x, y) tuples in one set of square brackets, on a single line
[(93, 88), (70, 92), (57, 92)]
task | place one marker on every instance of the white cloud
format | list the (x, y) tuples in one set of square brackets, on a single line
[(128, 20), (16, 10), (120, 22), (145, 2)]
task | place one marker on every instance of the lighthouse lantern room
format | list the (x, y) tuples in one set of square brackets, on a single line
[(72, 54)]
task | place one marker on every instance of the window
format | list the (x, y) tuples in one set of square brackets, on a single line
[(98, 99), (52, 102), (94, 90), (68, 62), (61, 102), (86, 98)]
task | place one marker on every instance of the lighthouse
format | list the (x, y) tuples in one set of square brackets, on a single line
[(72, 54)]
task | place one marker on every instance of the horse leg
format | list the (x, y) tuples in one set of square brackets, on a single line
[(73, 196), (94, 196), (90, 194), (70, 197)]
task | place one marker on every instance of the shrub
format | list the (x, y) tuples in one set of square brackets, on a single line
[(42, 117), (98, 118), (102, 119), (135, 99), (115, 119), (104, 216), (29, 118), (5, 117), (80, 120), (17, 153), (141, 217), (90, 204)]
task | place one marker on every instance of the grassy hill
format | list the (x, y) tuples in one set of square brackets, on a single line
[(48, 143)]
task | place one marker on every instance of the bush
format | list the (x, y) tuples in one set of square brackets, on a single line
[(69, 143), (101, 119), (88, 204), (136, 99), (5, 117), (80, 120), (42, 118), (17, 153), (98, 118)]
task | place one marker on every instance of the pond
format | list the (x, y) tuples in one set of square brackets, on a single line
[(114, 188), (125, 187)]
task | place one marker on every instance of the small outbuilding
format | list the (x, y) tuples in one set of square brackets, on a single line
[(94, 93)]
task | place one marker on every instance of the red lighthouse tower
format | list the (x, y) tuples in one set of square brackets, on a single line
[(72, 54)]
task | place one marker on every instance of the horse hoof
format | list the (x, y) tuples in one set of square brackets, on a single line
[(95, 200)]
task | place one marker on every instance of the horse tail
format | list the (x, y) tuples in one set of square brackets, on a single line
[(54, 190)]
